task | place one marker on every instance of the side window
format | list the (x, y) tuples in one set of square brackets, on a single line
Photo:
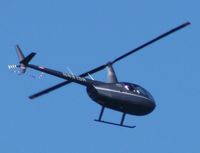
[(140, 91), (129, 87), (126, 87), (132, 88)]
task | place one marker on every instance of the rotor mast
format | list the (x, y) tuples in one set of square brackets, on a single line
[(111, 76)]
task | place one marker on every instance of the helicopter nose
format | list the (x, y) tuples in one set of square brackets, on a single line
[(152, 105)]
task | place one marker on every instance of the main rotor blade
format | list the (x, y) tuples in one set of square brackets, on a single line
[(114, 61), (52, 88), (152, 41), (45, 91), (97, 69)]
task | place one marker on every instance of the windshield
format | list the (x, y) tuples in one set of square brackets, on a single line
[(137, 90)]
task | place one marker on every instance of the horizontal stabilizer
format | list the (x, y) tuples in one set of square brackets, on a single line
[(27, 59)]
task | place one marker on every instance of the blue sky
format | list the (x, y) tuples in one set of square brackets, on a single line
[(85, 34)]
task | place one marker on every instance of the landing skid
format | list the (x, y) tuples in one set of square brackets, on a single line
[(118, 124), (127, 126)]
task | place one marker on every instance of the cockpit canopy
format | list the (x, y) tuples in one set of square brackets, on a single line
[(136, 89)]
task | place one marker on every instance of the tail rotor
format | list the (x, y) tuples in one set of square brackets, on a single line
[(14, 68), (23, 61)]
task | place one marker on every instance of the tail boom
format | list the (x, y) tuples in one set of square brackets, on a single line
[(63, 75)]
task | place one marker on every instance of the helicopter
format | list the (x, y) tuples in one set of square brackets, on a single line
[(124, 97)]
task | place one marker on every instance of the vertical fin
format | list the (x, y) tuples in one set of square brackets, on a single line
[(19, 53), (23, 61), (70, 71)]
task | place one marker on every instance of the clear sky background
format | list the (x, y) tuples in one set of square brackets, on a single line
[(83, 34)]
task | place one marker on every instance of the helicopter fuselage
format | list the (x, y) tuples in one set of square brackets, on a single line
[(124, 97)]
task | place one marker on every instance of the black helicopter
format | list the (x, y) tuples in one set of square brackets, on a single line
[(124, 97)]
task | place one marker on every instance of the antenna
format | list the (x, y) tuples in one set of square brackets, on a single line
[(70, 71), (90, 76), (40, 76)]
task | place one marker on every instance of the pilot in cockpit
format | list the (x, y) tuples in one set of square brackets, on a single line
[(131, 88), (126, 87)]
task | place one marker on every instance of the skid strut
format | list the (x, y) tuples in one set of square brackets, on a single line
[(118, 124)]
